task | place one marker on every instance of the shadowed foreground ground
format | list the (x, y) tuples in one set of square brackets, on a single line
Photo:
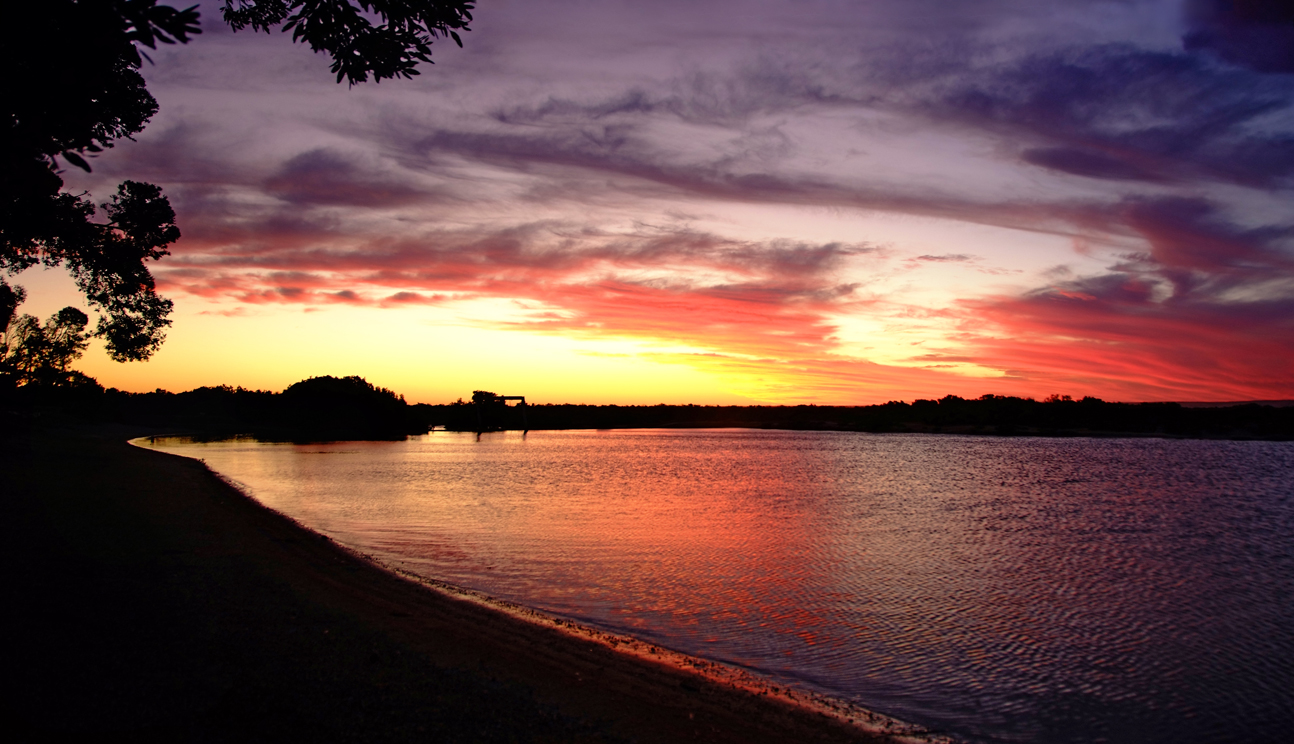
[(147, 600)]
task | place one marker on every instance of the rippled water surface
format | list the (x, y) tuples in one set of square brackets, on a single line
[(997, 589)]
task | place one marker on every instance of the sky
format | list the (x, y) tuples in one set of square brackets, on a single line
[(734, 202)]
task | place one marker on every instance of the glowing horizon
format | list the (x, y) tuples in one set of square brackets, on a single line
[(819, 203)]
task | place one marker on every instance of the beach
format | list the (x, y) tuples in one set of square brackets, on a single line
[(151, 600)]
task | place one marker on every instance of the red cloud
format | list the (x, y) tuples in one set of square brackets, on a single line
[(1124, 344), (1157, 327)]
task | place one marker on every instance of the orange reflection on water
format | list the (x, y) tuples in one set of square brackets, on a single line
[(1002, 587)]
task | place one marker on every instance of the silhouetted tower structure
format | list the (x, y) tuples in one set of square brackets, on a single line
[(485, 401)]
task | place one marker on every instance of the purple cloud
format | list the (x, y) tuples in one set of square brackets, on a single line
[(326, 177), (1258, 34), (1122, 113)]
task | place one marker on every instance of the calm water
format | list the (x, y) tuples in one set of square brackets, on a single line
[(1021, 590)]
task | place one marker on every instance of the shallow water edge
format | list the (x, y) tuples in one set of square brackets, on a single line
[(866, 721)]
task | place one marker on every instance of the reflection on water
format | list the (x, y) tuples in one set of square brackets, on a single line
[(1034, 590)]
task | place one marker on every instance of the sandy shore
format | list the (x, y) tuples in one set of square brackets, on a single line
[(149, 600)]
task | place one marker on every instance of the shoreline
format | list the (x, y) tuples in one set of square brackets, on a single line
[(201, 596), (934, 431), (867, 721)]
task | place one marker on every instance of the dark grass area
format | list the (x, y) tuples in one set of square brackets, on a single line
[(148, 601), (138, 616)]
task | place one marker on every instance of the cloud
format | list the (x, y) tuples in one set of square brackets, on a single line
[(347, 296), (406, 298), (327, 177), (1258, 33), (1109, 332), (763, 86), (1119, 112), (1191, 234), (1207, 311), (666, 286), (946, 258), (1087, 163)]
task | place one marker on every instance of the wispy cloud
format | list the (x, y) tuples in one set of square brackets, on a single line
[(1259, 35), (1207, 310)]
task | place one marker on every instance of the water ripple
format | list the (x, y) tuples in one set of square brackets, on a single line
[(1013, 590)]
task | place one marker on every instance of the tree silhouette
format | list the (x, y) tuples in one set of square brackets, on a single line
[(66, 103), (10, 299), (359, 48), (32, 353), (71, 86)]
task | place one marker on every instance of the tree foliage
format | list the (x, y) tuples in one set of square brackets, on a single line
[(71, 103), (10, 299), (358, 47), (86, 91), (107, 261), (72, 87), (32, 353), (320, 408)]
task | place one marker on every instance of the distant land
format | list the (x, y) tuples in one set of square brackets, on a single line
[(316, 409), (1210, 404), (339, 408), (989, 414)]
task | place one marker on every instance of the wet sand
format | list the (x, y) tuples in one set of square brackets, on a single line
[(149, 600)]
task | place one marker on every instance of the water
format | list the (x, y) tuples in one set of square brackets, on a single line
[(996, 589)]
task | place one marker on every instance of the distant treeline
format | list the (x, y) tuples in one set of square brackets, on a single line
[(335, 408), (320, 408), (990, 414)]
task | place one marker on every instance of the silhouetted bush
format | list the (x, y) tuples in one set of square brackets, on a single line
[(320, 408), (342, 407)]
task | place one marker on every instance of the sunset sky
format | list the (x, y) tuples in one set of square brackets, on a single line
[(791, 201)]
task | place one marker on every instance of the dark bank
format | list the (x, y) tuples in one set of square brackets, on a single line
[(150, 601)]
